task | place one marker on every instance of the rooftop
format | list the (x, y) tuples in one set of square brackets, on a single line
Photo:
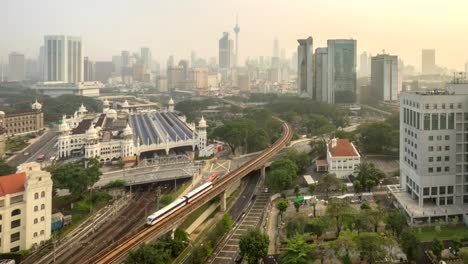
[(343, 148), (13, 183)]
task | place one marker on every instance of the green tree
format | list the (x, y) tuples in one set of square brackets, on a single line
[(375, 137), (254, 245), (365, 205), (200, 254), (301, 159), (317, 226), (343, 188), (6, 169), (74, 177), (181, 235), (357, 186), (437, 248), (376, 217), (312, 188), (372, 246), (464, 254), (226, 222), (396, 222), (297, 190), (157, 252), (344, 244), (296, 251), (297, 205), (285, 164), (339, 210), (410, 244), (279, 179), (368, 175), (456, 244), (319, 148), (295, 225), (282, 205), (327, 182)]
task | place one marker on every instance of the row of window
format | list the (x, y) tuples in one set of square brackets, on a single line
[(439, 158), (410, 103), (439, 137), (438, 169), (441, 190), (438, 148), (36, 195), (439, 121), (20, 124), (442, 106), (36, 221), (411, 163), (36, 208), (407, 140)]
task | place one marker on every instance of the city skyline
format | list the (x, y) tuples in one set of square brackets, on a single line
[(337, 19)]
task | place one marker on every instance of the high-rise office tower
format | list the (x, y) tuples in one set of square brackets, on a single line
[(88, 68), (170, 62), (384, 77), (236, 31), (125, 58), (275, 58), (16, 67), (146, 57), (342, 70), (64, 59), (41, 62), (321, 92), (117, 62), (304, 67), (363, 65), (225, 51), (428, 65)]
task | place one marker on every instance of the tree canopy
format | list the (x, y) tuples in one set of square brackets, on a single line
[(368, 176), (328, 182), (254, 245), (296, 252), (6, 169)]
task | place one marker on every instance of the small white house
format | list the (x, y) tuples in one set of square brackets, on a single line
[(342, 157)]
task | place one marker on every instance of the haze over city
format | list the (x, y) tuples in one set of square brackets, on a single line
[(177, 27)]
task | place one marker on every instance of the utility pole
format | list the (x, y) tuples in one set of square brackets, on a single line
[(158, 196)]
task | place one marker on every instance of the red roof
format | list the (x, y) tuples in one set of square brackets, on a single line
[(343, 148), (321, 162), (12, 183)]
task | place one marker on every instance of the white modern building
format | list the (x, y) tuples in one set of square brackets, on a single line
[(305, 81), (434, 155), (63, 59), (114, 135), (384, 77), (25, 208), (55, 89), (342, 157)]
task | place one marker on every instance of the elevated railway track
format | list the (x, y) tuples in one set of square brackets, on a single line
[(116, 252)]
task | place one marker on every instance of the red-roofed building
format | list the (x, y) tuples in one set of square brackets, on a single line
[(25, 208), (342, 157)]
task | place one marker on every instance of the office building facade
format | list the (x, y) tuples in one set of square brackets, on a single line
[(304, 67), (384, 77), (321, 92), (16, 67), (428, 64), (63, 59), (342, 70), (225, 55)]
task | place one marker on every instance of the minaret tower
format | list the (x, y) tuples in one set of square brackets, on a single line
[(171, 105), (237, 30)]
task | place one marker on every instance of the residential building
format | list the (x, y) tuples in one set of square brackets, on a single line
[(22, 122), (304, 67), (25, 208), (428, 64), (342, 70), (175, 77), (434, 155), (321, 91), (384, 77), (198, 77), (16, 67), (63, 59), (225, 54)]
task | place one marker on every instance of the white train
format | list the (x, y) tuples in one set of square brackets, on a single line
[(175, 205)]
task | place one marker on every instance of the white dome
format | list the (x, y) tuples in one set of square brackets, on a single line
[(127, 131), (82, 109), (64, 127), (171, 102), (36, 105), (111, 113), (2, 113), (202, 123), (125, 104), (91, 132)]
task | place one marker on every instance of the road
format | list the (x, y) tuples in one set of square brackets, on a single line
[(44, 145)]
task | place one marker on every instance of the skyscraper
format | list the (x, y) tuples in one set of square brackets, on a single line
[(275, 59), (363, 65), (16, 67), (103, 71), (193, 59), (428, 65), (88, 68), (304, 67), (384, 77), (236, 31), (146, 57), (225, 51), (321, 92), (41, 62), (64, 59), (342, 70)]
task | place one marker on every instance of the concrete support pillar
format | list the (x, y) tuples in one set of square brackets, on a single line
[(223, 201), (263, 172)]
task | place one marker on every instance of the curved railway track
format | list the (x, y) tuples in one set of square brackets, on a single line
[(118, 252)]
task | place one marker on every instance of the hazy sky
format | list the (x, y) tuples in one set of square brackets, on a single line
[(401, 27)]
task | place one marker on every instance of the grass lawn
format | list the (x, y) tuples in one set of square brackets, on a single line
[(16, 143), (446, 232)]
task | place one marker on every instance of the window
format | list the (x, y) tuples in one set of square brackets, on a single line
[(16, 212), (42, 232), (446, 158), (35, 234), (431, 159), (430, 170), (14, 249), (435, 121), (439, 158), (446, 169), (426, 191), (36, 196), (442, 201), (450, 190), (442, 190), (35, 208), (15, 223), (439, 169), (449, 200), (447, 137), (447, 148), (451, 121), (15, 237), (35, 221), (443, 121), (431, 138), (439, 148), (42, 219), (427, 121), (434, 191), (42, 194), (431, 148), (451, 106), (42, 206)]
